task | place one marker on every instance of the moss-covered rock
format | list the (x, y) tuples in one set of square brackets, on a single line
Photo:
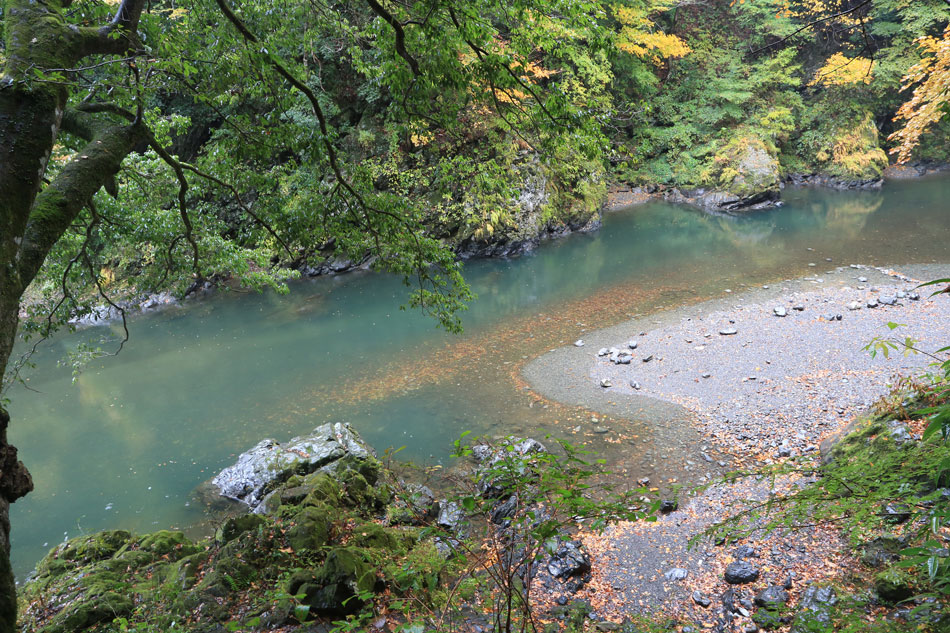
[(312, 528), (392, 540), (236, 526), (893, 585), (105, 607), (98, 546), (168, 544), (337, 588), (746, 168)]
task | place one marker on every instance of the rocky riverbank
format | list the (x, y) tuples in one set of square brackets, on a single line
[(765, 376)]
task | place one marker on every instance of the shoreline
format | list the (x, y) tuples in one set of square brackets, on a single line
[(798, 398)]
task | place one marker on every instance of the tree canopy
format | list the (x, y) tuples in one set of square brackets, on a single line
[(163, 146)]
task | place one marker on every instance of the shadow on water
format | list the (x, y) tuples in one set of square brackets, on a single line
[(126, 443)]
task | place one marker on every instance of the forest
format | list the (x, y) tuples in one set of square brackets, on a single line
[(177, 150)]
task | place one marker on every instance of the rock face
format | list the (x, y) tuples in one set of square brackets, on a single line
[(535, 212), (269, 463)]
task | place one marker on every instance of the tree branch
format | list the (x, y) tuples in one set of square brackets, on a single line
[(400, 35), (117, 37), (58, 204)]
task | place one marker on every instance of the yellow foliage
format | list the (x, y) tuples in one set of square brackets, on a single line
[(927, 105), (640, 36), (844, 71)]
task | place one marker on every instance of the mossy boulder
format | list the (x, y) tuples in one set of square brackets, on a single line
[(338, 588), (881, 550), (168, 544), (105, 607), (393, 540), (893, 585), (853, 153), (311, 528), (269, 464), (236, 526), (95, 547), (745, 174)]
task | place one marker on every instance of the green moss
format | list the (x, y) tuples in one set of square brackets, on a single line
[(311, 528), (395, 542), (103, 608), (236, 526), (323, 490), (894, 585), (98, 546), (168, 543), (744, 167)]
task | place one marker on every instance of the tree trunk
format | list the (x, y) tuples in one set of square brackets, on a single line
[(34, 215)]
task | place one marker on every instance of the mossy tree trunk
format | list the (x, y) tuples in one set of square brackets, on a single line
[(35, 210)]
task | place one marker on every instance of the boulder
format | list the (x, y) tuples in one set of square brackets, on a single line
[(893, 585), (270, 463), (337, 588), (568, 561), (771, 597), (814, 609), (740, 572)]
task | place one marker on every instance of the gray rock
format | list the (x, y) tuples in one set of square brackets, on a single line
[(872, 303), (569, 561), (504, 510), (632, 344), (706, 374), (798, 307), (647, 359), (677, 573), (602, 351), (854, 305), (740, 572), (744, 551), (269, 462), (888, 301), (668, 505), (605, 383), (771, 597), (635, 385), (701, 600), (495, 484), (779, 312), (896, 513), (814, 609), (899, 432), (579, 343), (914, 296), (729, 331), (863, 280), (450, 515), (882, 550), (624, 359)]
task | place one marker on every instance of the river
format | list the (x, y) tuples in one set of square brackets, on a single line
[(124, 444)]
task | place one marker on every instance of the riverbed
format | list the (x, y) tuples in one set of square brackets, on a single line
[(126, 442)]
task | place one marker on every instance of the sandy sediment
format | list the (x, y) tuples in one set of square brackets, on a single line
[(756, 386)]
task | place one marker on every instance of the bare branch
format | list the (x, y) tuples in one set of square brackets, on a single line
[(813, 23)]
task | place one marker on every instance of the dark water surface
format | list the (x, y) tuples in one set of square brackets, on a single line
[(124, 444)]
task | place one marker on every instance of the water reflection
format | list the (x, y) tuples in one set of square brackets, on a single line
[(126, 443)]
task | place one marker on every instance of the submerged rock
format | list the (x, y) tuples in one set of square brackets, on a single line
[(258, 470)]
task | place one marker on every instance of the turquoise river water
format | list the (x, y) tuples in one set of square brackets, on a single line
[(126, 443)]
